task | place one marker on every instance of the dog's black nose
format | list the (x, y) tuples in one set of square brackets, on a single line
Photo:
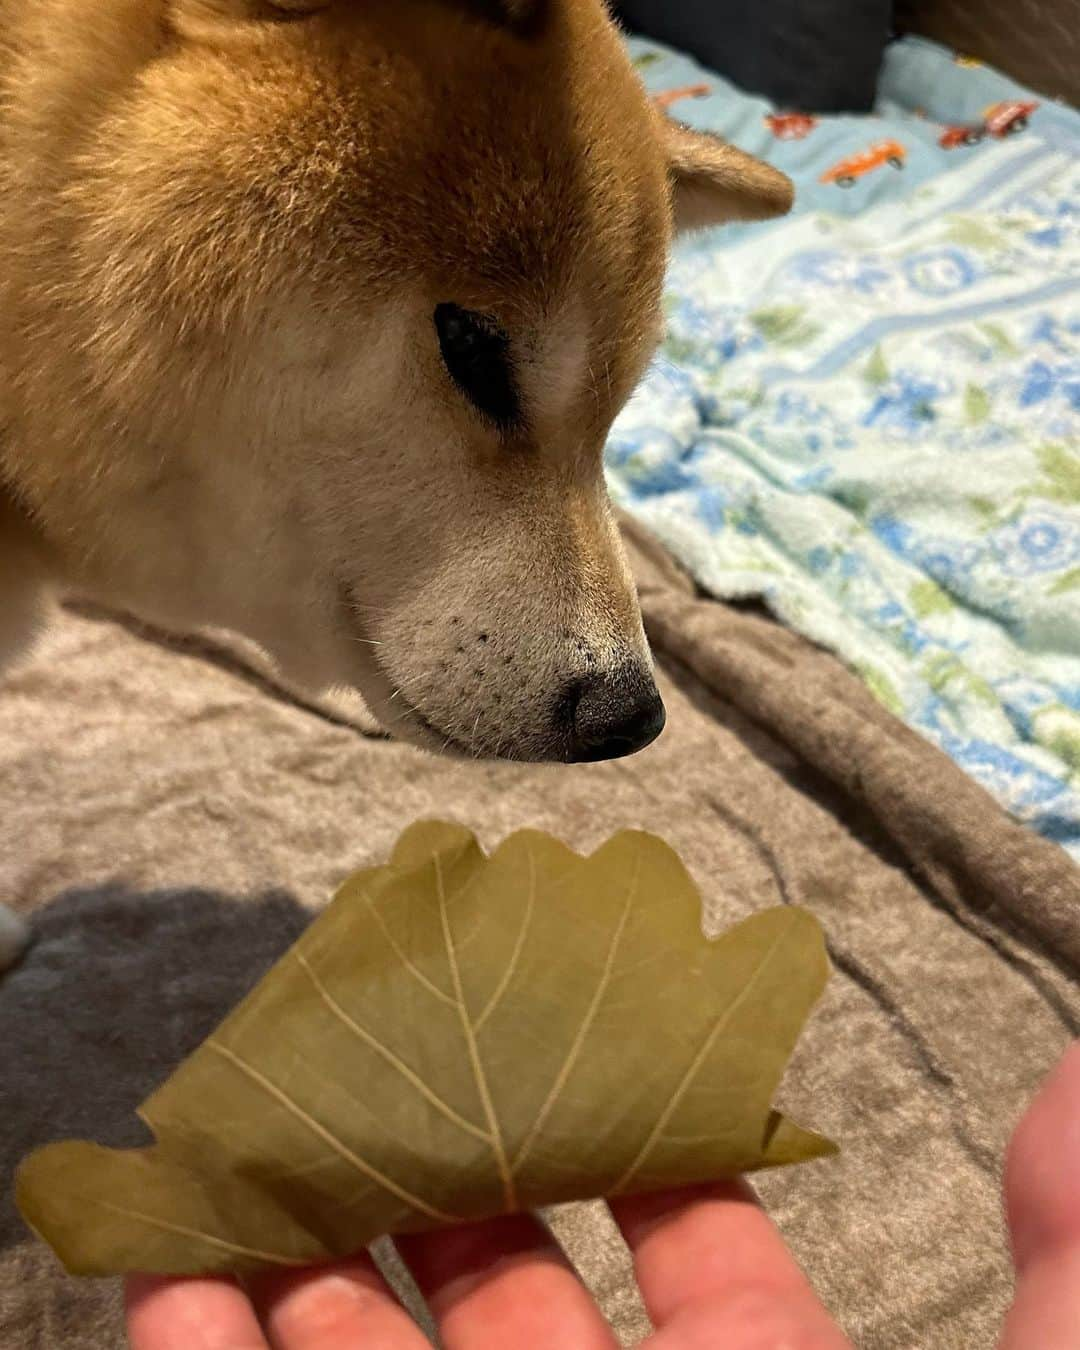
[(614, 715)]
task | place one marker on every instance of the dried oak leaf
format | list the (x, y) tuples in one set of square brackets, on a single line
[(455, 1037)]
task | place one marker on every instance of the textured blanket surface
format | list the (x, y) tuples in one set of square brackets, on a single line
[(171, 819), (869, 413)]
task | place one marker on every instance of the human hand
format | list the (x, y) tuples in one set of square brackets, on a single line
[(712, 1269)]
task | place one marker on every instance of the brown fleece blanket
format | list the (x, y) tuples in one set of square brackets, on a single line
[(171, 817)]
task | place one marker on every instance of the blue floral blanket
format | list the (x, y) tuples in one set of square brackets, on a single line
[(868, 414)]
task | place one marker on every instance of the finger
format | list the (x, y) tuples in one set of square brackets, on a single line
[(713, 1270), (204, 1314), (504, 1283), (1046, 1310), (1042, 1189), (1042, 1168), (335, 1307)]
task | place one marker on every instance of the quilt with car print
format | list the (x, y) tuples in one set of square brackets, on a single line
[(868, 414)]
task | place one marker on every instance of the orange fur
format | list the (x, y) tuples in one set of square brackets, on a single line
[(226, 224)]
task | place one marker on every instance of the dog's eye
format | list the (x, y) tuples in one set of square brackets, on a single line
[(477, 356)]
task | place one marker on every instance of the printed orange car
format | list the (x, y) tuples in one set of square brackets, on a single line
[(951, 137), (1000, 120), (1003, 119), (669, 96), (790, 126), (858, 166)]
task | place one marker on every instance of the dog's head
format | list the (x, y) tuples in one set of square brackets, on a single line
[(381, 275)]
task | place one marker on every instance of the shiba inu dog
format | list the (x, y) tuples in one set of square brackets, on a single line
[(314, 316)]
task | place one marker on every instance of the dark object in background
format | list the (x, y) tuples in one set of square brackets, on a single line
[(805, 55), (1035, 41)]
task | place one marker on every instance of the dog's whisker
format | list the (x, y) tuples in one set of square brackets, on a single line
[(594, 388), (406, 684), (472, 739)]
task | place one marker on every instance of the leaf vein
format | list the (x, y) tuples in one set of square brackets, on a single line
[(328, 1137), (694, 1066), (515, 955), (373, 1042), (166, 1226), (496, 1139), (413, 970), (586, 1023)]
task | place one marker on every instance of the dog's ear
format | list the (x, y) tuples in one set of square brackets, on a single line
[(713, 182)]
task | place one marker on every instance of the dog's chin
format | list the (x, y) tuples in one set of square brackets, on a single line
[(363, 671), (409, 724)]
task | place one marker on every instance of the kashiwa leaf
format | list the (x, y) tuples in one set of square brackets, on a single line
[(455, 1037)]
